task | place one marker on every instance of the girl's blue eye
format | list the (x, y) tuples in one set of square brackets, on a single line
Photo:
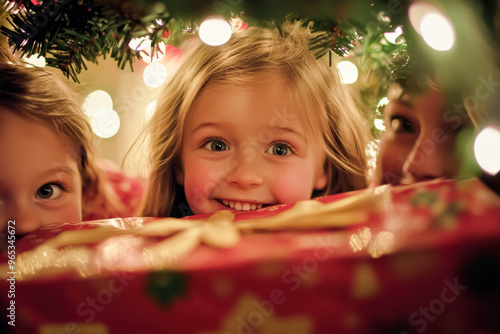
[(279, 149), (216, 145), (49, 191)]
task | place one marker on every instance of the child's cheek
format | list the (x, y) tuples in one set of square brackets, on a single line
[(292, 185), (70, 210), (393, 154), (200, 183)]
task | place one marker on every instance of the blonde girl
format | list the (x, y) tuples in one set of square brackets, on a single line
[(255, 122), (48, 170)]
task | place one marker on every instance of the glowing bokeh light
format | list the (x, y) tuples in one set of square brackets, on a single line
[(35, 60), (97, 100), (149, 56), (434, 27), (383, 102), (105, 123), (150, 110), (487, 150), (139, 44), (417, 11), (393, 36), (379, 124), (215, 31), (437, 31), (348, 72), (155, 75)]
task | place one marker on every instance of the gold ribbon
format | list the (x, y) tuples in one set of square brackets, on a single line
[(67, 250)]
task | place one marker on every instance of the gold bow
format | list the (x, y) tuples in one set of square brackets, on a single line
[(66, 251)]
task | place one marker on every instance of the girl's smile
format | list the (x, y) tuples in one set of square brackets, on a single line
[(237, 154), (242, 205)]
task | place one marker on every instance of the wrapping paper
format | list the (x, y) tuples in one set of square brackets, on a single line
[(407, 259)]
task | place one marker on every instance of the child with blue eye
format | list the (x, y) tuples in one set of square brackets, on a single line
[(48, 171), (255, 122)]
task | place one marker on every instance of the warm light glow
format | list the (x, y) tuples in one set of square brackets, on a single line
[(35, 60), (360, 239), (382, 243), (215, 31), (487, 150), (98, 99), (149, 56), (139, 44), (155, 75), (379, 124), (105, 123), (372, 152), (237, 23), (392, 36), (417, 11), (437, 31), (150, 110), (348, 72), (382, 103)]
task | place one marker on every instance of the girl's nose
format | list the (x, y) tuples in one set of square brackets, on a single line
[(429, 160), (247, 173), (26, 217)]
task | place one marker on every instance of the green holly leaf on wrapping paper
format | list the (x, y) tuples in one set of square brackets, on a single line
[(448, 219), (426, 198), (445, 213), (165, 286)]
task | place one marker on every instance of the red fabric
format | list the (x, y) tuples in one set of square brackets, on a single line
[(129, 189)]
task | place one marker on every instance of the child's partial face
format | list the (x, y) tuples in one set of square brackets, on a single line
[(420, 137), (40, 181), (248, 146)]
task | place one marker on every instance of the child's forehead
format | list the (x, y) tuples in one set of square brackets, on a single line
[(413, 97), (274, 94), (252, 103), (21, 126)]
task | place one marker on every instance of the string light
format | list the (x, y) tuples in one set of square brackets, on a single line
[(148, 56), (155, 75), (150, 110), (215, 31), (35, 60), (437, 32), (434, 27), (392, 36), (143, 44), (105, 123), (379, 124), (487, 150), (417, 11), (98, 99), (139, 44), (348, 72)]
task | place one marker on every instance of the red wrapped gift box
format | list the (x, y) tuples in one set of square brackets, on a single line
[(414, 259)]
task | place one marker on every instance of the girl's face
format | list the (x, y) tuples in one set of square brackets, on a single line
[(420, 138), (40, 180), (247, 146)]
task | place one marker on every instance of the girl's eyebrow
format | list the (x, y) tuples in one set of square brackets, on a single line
[(58, 170), (272, 128), (288, 130), (404, 99), (205, 125), (404, 103)]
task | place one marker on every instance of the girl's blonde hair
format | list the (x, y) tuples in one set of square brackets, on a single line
[(314, 85), (40, 95)]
